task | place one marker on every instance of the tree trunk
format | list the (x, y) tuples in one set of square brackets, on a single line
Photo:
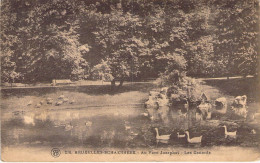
[(113, 84), (121, 83)]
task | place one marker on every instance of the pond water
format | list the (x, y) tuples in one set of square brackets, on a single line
[(118, 125)]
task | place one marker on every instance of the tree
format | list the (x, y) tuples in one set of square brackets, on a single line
[(42, 40), (47, 44), (7, 42), (175, 71), (103, 72), (165, 28), (237, 31), (120, 48), (201, 57)]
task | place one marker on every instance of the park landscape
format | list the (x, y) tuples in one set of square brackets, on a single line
[(129, 75)]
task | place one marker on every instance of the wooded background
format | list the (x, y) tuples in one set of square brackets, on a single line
[(122, 40)]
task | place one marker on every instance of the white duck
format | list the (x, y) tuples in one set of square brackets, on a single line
[(180, 136), (194, 139), (41, 102), (49, 101), (230, 134), (127, 127), (253, 131), (133, 133), (59, 103), (145, 114), (152, 118), (161, 137), (29, 103), (65, 100), (61, 97), (38, 105)]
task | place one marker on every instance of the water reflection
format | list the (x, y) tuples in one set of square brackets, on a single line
[(106, 127), (174, 118), (29, 119)]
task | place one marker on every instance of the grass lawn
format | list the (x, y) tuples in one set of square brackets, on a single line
[(238, 87), (129, 93), (84, 96)]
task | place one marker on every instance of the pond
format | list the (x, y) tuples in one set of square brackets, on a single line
[(112, 121)]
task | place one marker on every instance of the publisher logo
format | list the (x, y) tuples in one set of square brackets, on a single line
[(55, 152)]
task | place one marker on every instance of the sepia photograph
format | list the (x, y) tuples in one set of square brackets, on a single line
[(130, 80)]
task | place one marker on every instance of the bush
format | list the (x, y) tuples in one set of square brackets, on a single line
[(188, 89), (180, 87), (102, 72)]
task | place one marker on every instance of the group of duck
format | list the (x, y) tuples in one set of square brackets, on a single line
[(69, 126), (195, 140), (60, 100), (205, 107)]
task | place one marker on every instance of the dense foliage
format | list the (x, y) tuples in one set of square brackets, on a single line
[(122, 40)]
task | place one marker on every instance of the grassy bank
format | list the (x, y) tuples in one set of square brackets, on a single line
[(87, 89), (238, 87)]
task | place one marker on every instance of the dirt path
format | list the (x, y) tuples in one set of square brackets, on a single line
[(94, 83), (223, 78)]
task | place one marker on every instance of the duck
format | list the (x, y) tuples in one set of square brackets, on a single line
[(48, 99), (194, 139), (127, 127), (38, 105), (41, 102), (133, 133), (88, 124), (65, 100), (50, 102), (152, 118), (145, 114), (61, 97), (29, 103), (229, 134), (58, 103), (180, 136), (161, 137), (72, 102), (253, 131), (15, 112)]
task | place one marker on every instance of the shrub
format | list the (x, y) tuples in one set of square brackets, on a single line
[(180, 86)]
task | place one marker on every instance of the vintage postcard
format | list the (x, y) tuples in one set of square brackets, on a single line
[(130, 80)]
